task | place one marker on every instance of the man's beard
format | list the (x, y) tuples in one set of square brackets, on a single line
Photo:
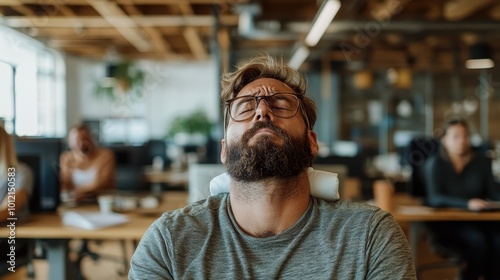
[(266, 159)]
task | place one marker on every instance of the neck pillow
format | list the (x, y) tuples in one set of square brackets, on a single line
[(323, 185)]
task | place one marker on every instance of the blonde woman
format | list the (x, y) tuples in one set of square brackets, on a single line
[(16, 181)]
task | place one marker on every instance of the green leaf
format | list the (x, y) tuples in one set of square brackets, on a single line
[(127, 76), (196, 122)]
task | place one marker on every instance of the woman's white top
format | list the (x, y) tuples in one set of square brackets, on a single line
[(83, 177)]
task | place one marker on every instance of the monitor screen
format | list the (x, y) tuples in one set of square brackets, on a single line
[(42, 156)]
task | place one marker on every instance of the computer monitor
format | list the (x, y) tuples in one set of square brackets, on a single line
[(42, 156)]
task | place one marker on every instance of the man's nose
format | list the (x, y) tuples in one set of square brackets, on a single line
[(262, 111)]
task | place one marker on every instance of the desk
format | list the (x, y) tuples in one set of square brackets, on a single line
[(416, 214), (171, 177), (48, 226)]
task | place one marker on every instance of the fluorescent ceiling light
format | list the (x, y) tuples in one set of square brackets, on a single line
[(483, 63), (298, 57), (323, 18), (479, 57)]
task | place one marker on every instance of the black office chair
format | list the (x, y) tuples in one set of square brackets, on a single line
[(129, 179), (418, 151), (85, 251)]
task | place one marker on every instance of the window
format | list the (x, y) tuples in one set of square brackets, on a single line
[(32, 87), (132, 131), (7, 96)]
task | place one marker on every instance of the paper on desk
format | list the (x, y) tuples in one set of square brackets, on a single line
[(92, 220)]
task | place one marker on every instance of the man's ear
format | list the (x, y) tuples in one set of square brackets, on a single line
[(223, 151), (313, 140)]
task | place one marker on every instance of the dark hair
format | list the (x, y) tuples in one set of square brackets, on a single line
[(452, 122), (265, 66)]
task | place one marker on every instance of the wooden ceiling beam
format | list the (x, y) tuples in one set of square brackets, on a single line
[(75, 32), (123, 21), (79, 44), (23, 10), (66, 11), (191, 35), (156, 37), (224, 39), (195, 43), (495, 12), (461, 9), (116, 17), (123, 2)]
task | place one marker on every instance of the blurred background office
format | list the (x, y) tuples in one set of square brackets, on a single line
[(382, 72)]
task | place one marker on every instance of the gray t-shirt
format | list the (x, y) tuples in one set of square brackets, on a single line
[(332, 240)]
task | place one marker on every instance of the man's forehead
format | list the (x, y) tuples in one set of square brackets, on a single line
[(268, 85)]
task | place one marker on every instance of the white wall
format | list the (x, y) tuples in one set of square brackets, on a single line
[(171, 89)]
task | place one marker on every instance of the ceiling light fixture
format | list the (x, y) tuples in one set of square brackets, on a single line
[(479, 57), (322, 20), (298, 57)]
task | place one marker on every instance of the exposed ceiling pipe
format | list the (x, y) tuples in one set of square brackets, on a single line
[(247, 29), (403, 26)]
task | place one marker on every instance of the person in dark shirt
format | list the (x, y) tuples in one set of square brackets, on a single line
[(459, 177)]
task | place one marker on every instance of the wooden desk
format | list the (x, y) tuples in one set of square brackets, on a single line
[(416, 214), (49, 227), (177, 178)]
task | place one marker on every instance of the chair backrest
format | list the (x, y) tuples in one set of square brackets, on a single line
[(419, 150), (341, 170), (130, 179), (199, 176)]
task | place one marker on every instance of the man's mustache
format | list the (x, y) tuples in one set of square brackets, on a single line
[(260, 125)]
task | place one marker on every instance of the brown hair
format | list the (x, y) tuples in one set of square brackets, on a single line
[(265, 66), (454, 121)]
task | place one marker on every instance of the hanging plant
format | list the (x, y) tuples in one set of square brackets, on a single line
[(123, 79)]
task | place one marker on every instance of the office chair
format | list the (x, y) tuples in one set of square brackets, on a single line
[(200, 176), (129, 179), (84, 251), (418, 151)]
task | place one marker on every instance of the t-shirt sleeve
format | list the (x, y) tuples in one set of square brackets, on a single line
[(151, 259), (389, 254)]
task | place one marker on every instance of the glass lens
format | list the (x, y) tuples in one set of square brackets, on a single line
[(243, 108), (284, 105)]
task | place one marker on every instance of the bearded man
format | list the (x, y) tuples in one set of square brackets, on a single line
[(269, 226)]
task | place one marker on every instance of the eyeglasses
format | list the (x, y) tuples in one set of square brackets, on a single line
[(283, 105)]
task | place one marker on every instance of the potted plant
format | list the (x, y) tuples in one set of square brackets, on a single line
[(190, 129), (123, 79)]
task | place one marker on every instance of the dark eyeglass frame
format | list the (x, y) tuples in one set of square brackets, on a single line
[(257, 99)]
